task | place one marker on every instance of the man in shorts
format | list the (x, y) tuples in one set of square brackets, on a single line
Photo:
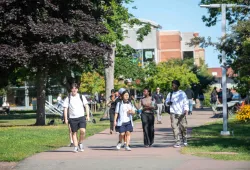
[(74, 115)]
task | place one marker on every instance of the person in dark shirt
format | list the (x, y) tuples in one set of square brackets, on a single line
[(158, 97), (190, 95)]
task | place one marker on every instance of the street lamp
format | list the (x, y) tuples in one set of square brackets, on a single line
[(224, 69)]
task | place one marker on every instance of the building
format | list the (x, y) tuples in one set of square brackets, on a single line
[(216, 72), (163, 45), (173, 45), (147, 49)]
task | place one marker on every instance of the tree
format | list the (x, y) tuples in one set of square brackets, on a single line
[(235, 44), (237, 47), (233, 15), (92, 83), (47, 36), (115, 20), (167, 72)]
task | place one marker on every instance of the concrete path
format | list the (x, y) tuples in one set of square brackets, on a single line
[(100, 153)]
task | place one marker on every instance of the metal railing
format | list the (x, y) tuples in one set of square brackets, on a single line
[(52, 110)]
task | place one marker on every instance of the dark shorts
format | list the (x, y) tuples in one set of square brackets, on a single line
[(77, 123), (126, 127)]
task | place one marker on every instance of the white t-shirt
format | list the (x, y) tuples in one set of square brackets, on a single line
[(76, 106)]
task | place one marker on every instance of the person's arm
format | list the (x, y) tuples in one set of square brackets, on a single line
[(116, 112), (167, 99), (66, 115), (65, 110), (86, 105), (132, 110), (185, 103)]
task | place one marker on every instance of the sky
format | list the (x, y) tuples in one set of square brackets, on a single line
[(181, 15)]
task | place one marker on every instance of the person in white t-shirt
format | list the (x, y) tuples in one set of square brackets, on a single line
[(124, 120), (74, 115), (179, 107)]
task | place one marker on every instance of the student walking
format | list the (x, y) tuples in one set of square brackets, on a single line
[(214, 99), (158, 97), (74, 107), (148, 106), (124, 120), (190, 96), (178, 102), (112, 104)]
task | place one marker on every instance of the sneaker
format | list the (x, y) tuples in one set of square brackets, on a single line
[(75, 150), (185, 144), (177, 146), (127, 148), (71, 145), (81, 147), (124, 145), (118, 146)]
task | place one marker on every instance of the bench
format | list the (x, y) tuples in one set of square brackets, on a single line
[(232, 107)]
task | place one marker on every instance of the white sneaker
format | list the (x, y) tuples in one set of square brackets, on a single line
[(81, 147), (75, 149), (177, 146), (127, 148), (185, 144), (118, 146)]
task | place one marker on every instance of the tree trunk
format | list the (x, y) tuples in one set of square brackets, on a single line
[(109, 75), (41, 79)]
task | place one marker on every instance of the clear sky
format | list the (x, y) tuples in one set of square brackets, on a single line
[(182, 15)]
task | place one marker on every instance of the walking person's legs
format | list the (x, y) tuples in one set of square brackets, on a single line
[(175, 127), (70, 136), (183, 128), (82, 135), (190, 101), (151, 129), (111, 119), (145, 125), (159, 113)]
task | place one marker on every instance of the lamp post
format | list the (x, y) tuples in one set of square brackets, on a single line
[(224, 69)]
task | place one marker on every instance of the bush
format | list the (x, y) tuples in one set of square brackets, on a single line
[(244, 113)]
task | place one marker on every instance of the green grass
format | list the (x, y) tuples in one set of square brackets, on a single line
[(19, 141), (207, 141)]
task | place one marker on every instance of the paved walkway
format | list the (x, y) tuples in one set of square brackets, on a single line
[(100, 153)]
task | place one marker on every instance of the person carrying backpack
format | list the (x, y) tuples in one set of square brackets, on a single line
[(75, 116), (124, 120)]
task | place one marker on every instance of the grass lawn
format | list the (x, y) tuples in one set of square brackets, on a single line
[(19, 139), (206, 141)]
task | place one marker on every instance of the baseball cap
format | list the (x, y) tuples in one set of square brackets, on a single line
[(121, 90)]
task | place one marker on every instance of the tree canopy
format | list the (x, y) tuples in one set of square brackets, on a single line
[(167, 72), (47, 36), (233, 14)]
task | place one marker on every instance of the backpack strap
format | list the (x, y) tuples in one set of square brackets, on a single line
[(68, 105)]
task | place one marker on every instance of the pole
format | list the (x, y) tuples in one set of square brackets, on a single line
[(224, 72)]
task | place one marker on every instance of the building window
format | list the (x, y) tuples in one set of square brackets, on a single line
[(214, 74), (148, 55), (188, 55)]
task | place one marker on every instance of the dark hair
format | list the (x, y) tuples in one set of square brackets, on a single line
[(113, 91), (149, 92), (74, 85), (126, 91), (176, 82)]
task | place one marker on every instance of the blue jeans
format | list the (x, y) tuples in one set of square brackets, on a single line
[(190, 103)]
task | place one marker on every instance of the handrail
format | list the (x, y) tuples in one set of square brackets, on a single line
[(53, 109)]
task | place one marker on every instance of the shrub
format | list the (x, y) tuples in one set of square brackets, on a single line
[(244, 113)]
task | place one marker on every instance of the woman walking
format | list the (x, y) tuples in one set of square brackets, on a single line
[(148, 106), (124, 120)]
